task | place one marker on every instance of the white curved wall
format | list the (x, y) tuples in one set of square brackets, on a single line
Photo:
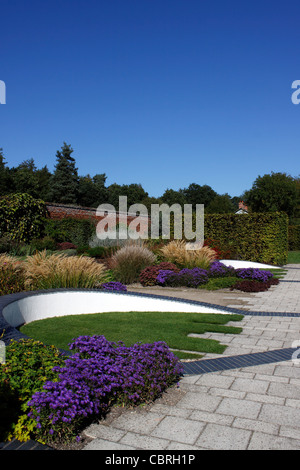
[(237, 264), (37, 307)]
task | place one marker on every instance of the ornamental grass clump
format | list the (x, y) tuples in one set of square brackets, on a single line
[(98, 375), (128, 262), (44, 271), (12, 278), (177, 252)]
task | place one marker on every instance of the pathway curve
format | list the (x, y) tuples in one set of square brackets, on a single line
[(249, 398)]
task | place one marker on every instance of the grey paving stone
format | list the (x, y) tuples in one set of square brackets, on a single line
[(250, 385), (256, 425), (287, 431), (293, 403), (219, 437), (137, 422), (265, 398), (213, 380), (102, 444), (241, 408), (181, 430), (280, 414), (287, 371), (144, 442), (105, 432), (207, 417), (165, 410), (199, 401), (221, 392), (262, 441), (284, 390)]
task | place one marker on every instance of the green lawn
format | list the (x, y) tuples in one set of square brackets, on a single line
[(294, 257), (132, 327)]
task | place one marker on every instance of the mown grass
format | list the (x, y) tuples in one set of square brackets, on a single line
[(294, 257), (133, 327)]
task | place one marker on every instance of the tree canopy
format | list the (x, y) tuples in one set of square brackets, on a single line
[(273, 192), (269, 193)]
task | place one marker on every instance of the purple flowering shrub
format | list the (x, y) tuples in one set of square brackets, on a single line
[(218, 269), (98, 375), (253, 274), (186, 277), (257, 279), (113, 286), (149, 274)]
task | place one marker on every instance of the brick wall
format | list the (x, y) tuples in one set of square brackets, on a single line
[(62, 211)]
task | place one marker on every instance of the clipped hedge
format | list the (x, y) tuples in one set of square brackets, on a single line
[(260, 237)]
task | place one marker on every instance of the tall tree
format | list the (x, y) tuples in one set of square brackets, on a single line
[(91, 190), (134, 192), (6, 184), (221, 204), (25, 179), (273, 192), (171, 197), (196, 194), (64, 181)]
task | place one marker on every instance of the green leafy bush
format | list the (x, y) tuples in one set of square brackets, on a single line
[(28, 365), (45, 243), (220, 283), (101, 251), (76, 231), (22, 217)]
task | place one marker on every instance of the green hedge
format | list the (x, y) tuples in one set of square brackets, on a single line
[(260, 237), (76, 231), (294, 237)]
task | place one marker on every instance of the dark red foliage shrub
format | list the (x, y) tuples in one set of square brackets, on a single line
[(66, 246), (148, 275), (254, 286), (215, 245)]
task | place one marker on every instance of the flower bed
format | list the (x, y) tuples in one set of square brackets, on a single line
[(51, 399), (253, 279), (99, 375)]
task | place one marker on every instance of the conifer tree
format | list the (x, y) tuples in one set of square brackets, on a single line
[(64, 181)]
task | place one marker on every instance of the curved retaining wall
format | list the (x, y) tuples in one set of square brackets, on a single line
[(25, 307)]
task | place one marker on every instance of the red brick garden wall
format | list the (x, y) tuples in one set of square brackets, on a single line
[(61, 211)]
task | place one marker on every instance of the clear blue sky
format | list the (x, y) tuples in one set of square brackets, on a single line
[(158, 92)]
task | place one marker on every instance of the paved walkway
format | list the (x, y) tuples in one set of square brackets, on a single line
[(255, 407)]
